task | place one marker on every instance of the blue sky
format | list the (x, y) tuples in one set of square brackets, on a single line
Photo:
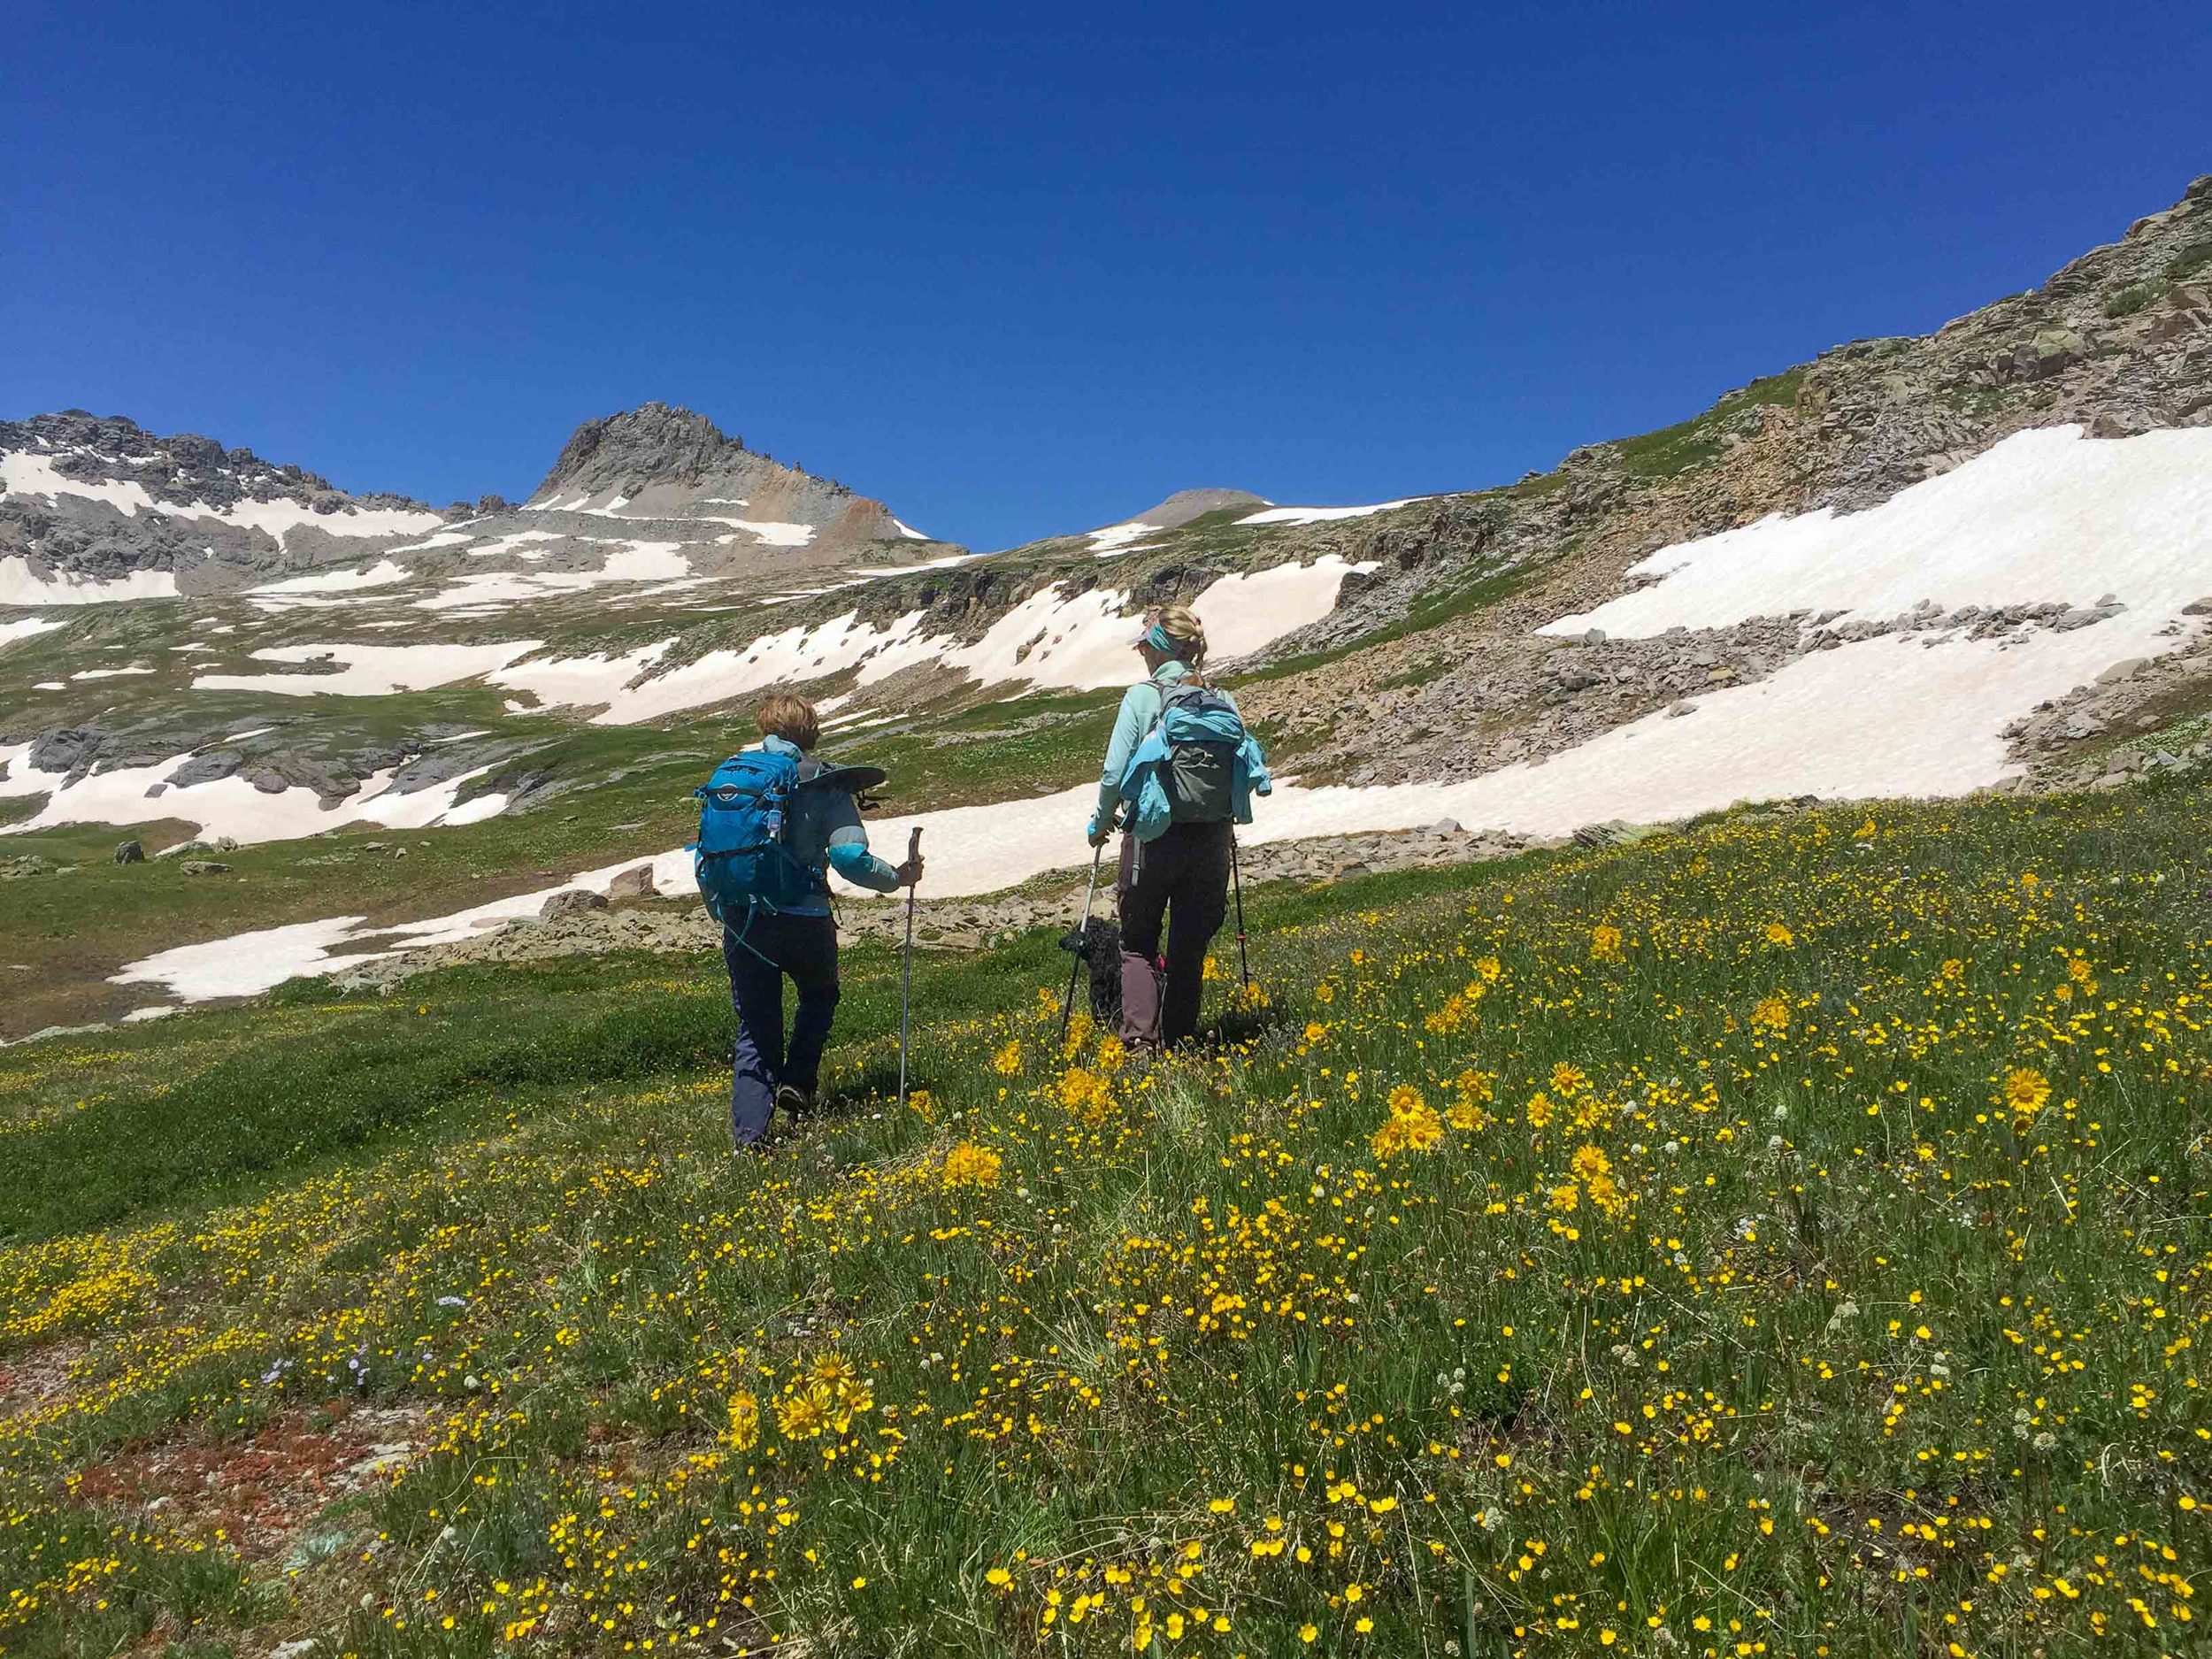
[(1025, 270)]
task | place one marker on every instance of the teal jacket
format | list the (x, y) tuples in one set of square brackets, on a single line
[(826, 834), (1142, 706)]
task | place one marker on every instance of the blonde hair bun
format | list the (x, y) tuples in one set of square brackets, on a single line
[(1181, 624)]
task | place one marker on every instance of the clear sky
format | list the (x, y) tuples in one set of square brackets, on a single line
[(1025, 270)]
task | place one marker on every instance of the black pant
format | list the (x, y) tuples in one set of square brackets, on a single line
[(759, 953), (1182, 878)]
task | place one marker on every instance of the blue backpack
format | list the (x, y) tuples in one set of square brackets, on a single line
[(740, 859)]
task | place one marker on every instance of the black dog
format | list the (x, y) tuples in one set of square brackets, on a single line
[(1098, 943)]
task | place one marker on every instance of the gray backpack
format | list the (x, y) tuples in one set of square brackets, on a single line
[(1202, 732)]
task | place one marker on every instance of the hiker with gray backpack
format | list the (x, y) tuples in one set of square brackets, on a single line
[(773, 821), (1179, 776)]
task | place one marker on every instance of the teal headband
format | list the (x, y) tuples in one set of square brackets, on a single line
[(1160, 640)]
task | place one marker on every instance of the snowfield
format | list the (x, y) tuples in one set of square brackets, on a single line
[(1324, 515), (382, 575), (2044, 515), (23, 628), (1052, 639), (229, 806), (19, 586), (371, 671), (1117, 538)]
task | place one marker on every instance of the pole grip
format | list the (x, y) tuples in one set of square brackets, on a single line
[(914, 843)]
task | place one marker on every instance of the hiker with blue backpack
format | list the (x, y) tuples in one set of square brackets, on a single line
[(1179, 776), (773, 821)]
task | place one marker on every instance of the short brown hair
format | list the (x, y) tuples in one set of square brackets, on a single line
[(792, 718)]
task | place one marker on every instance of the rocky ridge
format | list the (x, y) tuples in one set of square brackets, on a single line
[(198, 480), (2119, 340)]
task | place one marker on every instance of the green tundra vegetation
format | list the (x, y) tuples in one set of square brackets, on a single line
[(1788, 1235)]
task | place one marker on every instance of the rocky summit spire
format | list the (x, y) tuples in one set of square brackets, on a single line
[(658, 461)]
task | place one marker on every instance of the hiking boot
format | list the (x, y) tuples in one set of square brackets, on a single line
[(794, 1101)]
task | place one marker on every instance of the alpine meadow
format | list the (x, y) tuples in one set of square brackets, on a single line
[(661, 1061)]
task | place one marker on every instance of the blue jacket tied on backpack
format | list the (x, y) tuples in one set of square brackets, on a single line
[(1196, 764)]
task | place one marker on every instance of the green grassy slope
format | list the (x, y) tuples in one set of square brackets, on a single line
[(1788, 1236)]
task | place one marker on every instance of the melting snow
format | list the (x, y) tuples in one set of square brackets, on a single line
[(1324, 515), (1052, 639), (371, 671), (19, 587), (24, 627), (631, 562), (444, 538), (382, 575), (769, 531), (229, 806), (579, 681), (1115, 536), (244, 964), (2044, 515)]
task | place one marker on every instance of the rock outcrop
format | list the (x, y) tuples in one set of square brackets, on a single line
[(659, 462)]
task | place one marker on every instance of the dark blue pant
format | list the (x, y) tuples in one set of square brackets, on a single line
[(759, 954)]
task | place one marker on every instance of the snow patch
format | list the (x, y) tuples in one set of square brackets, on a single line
[(579, 681), (768, 532), (19, 587), (1243, 613), (1324, 515), (230, 806), (371, 671), (444, 538), (382, 575), (1054, 639), (23, 628), (1115, 536), (2044, 515)]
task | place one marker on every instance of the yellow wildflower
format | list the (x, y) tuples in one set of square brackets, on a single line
[(969, 1165)]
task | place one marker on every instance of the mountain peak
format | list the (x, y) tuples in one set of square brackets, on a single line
[(1187, 505), (661, 461), (654, 442)]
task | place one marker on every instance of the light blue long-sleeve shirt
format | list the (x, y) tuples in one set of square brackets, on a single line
[(1140, 708), (826, 834)]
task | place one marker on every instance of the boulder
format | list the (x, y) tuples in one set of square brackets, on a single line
[(636, 883), (570, 901), (204, 867), (206, 768), (130, 853)]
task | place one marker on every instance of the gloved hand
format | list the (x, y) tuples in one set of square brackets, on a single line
[(1100, 830)]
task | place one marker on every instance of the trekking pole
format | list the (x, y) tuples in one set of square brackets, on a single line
[(906, 971), (1082, 922), (1236, 880)]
